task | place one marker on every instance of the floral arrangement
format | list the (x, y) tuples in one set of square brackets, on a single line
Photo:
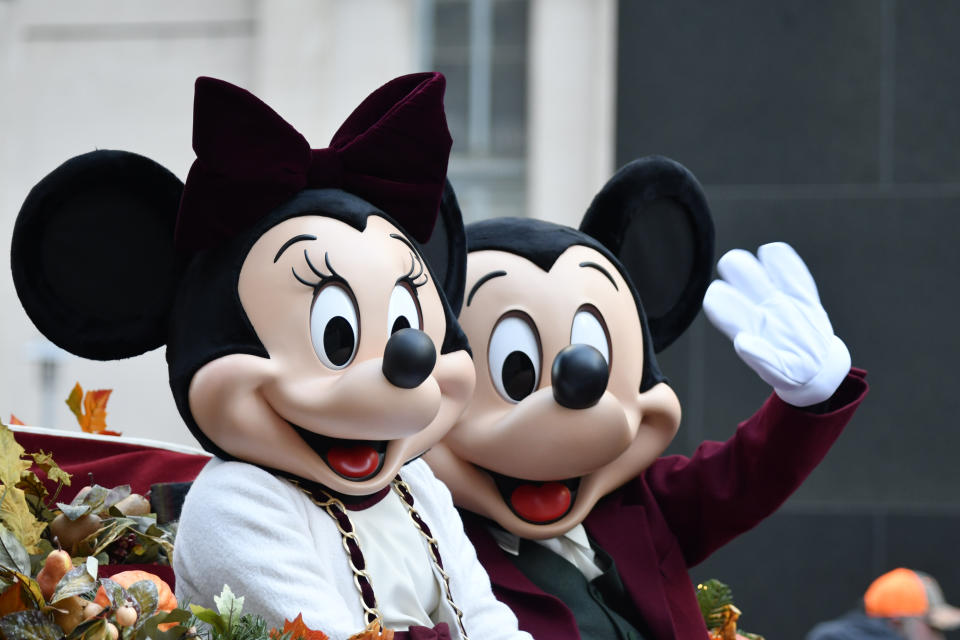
[(51, 554)]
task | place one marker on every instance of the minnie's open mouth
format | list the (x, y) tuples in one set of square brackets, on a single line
[(354, 460), (537, 502)]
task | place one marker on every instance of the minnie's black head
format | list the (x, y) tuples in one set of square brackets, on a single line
[(95, 266)]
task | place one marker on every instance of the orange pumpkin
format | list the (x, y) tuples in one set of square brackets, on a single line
[(165, 598)]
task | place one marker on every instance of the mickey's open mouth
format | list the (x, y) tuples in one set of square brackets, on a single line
[(354, 460), (537, 502)]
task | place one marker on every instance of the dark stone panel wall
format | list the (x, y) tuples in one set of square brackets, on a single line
[(834, 126), (783, 90), (927, 125), (797, 568)]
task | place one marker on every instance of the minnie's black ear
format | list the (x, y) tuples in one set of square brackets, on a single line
[(93, 258), (446, 251), (652, 215)]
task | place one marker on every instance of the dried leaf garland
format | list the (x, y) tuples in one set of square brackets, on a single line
[(16, 480)]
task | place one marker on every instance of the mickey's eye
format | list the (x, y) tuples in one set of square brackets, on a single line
[(333, 326), (588, 328), (514, 357), (404, 310)]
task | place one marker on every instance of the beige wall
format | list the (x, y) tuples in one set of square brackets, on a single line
[(572, 105)]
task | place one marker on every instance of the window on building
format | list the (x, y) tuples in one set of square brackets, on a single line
[(481, 47)]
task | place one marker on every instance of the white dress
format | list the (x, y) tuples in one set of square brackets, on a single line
[(262, 536)]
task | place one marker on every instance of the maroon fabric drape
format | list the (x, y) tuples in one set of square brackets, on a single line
[(112, 463)]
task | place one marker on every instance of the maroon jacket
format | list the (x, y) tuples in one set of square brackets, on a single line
[(679, 511)]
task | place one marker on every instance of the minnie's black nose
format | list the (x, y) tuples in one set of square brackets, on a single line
[(580, 376), (408, 358)]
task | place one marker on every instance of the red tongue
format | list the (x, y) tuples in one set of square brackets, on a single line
[(357, 461), (543, 503)]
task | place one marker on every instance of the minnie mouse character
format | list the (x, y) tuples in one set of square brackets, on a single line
[(586, 532), (308, 308)]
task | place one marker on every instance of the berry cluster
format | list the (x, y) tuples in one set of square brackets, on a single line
[(120, 549)]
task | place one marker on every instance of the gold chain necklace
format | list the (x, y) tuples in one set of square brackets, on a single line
[(351, 545)]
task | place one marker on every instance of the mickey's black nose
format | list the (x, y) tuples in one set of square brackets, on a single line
[(580, 376), (408, 358)]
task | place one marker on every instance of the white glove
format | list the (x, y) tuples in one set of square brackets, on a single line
[(771, 310)]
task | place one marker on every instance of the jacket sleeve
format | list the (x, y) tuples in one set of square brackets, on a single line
[(726, 488)]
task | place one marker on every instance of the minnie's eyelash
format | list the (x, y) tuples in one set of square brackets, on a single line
[(322, 278), (409, 276)]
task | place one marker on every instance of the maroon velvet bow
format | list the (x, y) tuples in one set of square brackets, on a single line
[(392, 151), (439, 632)]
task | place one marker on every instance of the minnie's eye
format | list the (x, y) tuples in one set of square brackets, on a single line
[(588, 328), (514, 357), (333, 326), (404, 310)]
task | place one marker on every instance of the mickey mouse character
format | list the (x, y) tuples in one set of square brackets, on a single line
[(586, 532), (312, 345)]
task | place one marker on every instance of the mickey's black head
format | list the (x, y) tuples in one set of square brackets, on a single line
[(565, 324)]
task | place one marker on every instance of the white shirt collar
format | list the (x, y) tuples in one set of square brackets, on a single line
[(573, 546), (510, 542)]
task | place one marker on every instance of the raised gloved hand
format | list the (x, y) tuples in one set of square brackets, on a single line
[(771, 310)]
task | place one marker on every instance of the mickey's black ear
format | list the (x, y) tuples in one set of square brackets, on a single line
[(93, 258), (446, 251), (653, 216)]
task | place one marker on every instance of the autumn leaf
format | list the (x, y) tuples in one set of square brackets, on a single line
[(74, 401), (11, 464), (229, 606), (29, 588), (373, 632), (16, 515), (29, 625), (298, 630), (12, 600), (46, 462), (95, 408), (15, 420), (90, 408), (13, 557)]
